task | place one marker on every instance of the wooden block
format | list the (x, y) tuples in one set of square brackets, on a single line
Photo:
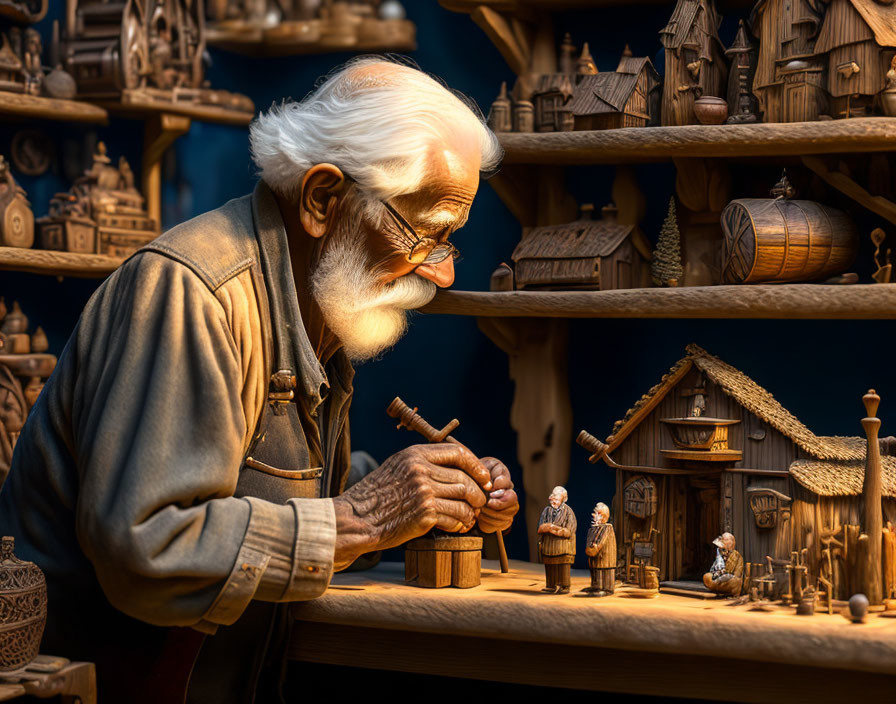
[(410, 565), (433, 568), (466, 568)]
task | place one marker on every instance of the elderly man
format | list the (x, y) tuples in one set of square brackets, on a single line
[(600, 547), (557, 541), (172, 478)]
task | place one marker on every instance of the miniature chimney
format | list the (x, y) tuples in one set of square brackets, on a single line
[(871, 490), (627, 51), (586, 211), (609, 212), (585, 66), (566, 61)]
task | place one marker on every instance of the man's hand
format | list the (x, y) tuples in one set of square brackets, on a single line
[(423, 487), (503, 503)]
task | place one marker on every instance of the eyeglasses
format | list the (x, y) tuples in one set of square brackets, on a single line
[(423, 250)]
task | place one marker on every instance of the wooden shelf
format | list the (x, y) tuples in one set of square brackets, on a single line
[(32, 106), (254, 43), (141, 105), (470, 6), (51, 263), (763, 301), (646, 144), (507, 630)]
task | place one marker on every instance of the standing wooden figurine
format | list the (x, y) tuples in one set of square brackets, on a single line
[(557, 541), (695, 60), (600, 547), (727, 572)]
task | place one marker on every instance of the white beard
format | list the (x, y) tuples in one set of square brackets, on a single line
[(366, 316)]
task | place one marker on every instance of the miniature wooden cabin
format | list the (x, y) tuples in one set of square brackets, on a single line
[(859, 38), (695, 60), (628, 97), (552, 92), (708, 450), (790, 76), (583, 254)]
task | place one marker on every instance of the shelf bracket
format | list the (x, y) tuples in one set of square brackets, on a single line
[(161, 131), (843, 183), (504, 37)]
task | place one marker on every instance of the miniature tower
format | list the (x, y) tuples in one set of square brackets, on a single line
[(566, 61), (499, 117), (742, 104), (871, 490), (585, 66)]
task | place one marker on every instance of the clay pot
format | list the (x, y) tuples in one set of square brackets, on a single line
[(23, 608), (710, 110), (888, 102)]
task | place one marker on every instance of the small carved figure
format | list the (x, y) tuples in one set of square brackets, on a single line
[(600, 547), (557, 541), (32, 68), (727, 571)]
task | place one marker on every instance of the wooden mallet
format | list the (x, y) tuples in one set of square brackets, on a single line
[(408, 418)]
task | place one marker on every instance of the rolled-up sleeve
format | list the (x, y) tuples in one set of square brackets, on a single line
[(159, 434)]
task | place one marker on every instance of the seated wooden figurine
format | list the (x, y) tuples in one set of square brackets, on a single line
[(600, 547), (727, 572), (557, 541)]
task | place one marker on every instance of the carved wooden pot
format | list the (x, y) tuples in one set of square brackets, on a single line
[(23, 608), (710, 110)]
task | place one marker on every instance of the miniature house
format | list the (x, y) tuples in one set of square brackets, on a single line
[(695, 60), (708, 450), (628, 97), (859, 38), (552, 92), (583, 254), (789, 80)]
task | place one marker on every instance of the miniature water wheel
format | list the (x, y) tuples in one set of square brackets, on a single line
[(134, 45)]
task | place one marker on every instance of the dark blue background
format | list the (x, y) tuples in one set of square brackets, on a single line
[(818, 370)]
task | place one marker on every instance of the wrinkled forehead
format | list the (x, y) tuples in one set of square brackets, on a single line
[(449, 185)]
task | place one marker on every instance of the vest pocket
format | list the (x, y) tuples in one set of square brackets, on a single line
[(278, 485)]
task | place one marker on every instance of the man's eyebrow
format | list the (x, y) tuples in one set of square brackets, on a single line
[(441, 218)]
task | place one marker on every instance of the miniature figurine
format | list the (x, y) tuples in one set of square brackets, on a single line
[(600, 547), (16, 218), (888, 97), (727, 571), (557, 542)]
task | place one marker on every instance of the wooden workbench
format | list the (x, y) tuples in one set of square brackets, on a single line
[(507, 630)]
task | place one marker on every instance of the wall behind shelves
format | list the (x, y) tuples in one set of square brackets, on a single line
[(818, 370)]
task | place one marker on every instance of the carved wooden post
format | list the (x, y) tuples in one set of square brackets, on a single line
[(873, 578)]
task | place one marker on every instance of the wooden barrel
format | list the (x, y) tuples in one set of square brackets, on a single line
[(785, 240)]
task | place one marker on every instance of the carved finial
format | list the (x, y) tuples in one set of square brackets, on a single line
[(627, 51), (585, 66), (871, 401)]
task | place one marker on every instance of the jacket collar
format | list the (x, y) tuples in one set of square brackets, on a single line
[(292, 348)]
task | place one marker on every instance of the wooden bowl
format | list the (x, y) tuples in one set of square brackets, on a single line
[(711, 110)]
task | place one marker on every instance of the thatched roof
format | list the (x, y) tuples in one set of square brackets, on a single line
[(693, 24), (835, 478), (748, 394), (881, 20), (572, 240)]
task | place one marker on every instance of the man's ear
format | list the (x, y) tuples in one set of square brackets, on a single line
[(322, 185)]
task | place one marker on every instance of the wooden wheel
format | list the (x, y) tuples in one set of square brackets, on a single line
[(134, 45)]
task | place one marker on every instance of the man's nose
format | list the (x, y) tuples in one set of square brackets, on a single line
[(441, 274)]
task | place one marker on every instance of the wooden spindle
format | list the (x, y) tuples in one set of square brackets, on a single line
[(872, 494)]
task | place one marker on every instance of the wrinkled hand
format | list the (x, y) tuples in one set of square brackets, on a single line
[(503, 503), (423, 487)]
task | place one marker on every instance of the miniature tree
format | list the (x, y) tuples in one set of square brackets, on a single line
[(666, 268)]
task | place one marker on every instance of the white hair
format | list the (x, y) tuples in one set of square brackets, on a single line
[(375, 119), (560, 490)]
